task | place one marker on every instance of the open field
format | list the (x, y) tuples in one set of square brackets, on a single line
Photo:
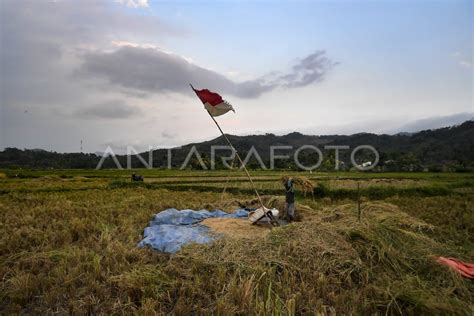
[(69, 241)]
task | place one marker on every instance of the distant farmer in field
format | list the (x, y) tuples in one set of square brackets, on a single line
[(136, 177), (289, 198)]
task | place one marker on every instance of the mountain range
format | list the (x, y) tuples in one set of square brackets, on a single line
[(448, 148)]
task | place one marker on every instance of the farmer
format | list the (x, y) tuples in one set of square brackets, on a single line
[(289, 198), (136, 177)]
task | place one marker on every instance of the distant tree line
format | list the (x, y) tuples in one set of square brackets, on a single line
[(445, 149)]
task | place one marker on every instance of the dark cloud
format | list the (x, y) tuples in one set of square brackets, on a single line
[(152, 70), (147, 69), (43, 42), (41, 39), (40, 42), (310, 69), (115, 109)]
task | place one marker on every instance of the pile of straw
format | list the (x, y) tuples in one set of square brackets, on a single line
[(382, 264), (303, 183)]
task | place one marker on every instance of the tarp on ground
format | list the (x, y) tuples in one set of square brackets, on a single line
[(170, 229)]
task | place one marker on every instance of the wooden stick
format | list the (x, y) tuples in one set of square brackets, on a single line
[(270, 218), (228, 178)]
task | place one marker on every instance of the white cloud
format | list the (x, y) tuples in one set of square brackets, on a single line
[(462, 59), (149, 46), (466, 63), (134, 3)]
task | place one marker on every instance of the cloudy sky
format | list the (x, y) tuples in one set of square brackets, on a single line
[(117, 72)]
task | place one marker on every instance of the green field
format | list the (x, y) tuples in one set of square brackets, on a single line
[(69, 241)]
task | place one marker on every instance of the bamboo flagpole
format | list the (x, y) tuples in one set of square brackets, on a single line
[(271, 219)]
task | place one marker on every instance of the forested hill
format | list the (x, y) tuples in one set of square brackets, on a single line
[(449, 148)]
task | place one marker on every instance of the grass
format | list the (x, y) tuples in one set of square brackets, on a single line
[(69, 240)]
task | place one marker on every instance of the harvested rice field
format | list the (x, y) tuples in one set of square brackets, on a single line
[(69, 244)]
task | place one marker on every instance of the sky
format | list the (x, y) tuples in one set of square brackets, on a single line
[(116, 73)]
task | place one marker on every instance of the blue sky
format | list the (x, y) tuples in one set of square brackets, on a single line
[(397, 62), (402, 33)]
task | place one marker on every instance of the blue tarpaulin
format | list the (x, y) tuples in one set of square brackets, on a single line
[(170, 229)]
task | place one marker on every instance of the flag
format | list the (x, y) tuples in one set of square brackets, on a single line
[(213, 102)]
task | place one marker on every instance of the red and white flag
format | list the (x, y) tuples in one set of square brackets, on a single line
[(213, 102)]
